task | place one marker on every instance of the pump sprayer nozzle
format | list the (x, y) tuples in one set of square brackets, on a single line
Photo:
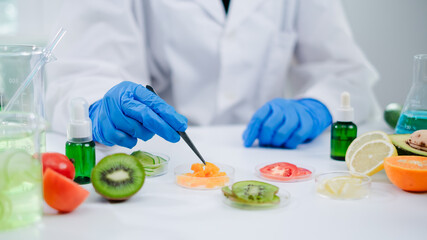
[(78, 110), (80, 125)]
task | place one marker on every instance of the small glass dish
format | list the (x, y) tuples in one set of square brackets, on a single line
[(343, 185), (276, 178), (203, 183), (155, 164), (284, 196)]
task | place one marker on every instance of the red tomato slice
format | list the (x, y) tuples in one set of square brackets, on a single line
[(280, 169), (62, 193), (302, 172)]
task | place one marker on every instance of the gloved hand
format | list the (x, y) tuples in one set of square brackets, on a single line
[(129, 111), (287, 123)]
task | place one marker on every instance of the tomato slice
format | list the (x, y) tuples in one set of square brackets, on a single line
[(302, 172), (61, 193), (280, 169)]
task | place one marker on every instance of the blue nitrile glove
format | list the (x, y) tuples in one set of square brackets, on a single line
[(287, 123), (129, 111)]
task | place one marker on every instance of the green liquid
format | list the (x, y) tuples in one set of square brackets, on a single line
[(23, 139), (342, 134), (83, 155), (411, 121), (20, 189)]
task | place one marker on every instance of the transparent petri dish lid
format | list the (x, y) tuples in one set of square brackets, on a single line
[(343, 185), (306, 173), (184, 179), (155, 164), (284, 196)]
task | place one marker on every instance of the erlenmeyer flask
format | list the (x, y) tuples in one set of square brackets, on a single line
[(414, 112)]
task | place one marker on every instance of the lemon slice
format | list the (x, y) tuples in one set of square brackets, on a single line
[(361, 140), (369, 158), (342, 185)]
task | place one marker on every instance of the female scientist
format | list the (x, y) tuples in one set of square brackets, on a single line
[(277, 65)]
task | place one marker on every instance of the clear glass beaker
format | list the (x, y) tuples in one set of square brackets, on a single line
[(21, 198), (414, 112), (16, 62)]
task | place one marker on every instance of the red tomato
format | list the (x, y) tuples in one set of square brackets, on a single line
[(280, 169), (62, 193), (59, 163), (302, 172)]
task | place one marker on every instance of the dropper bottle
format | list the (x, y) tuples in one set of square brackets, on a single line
[(343, 131), (80, 147)]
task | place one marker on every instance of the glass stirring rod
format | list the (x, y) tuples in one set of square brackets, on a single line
[(183, 134)]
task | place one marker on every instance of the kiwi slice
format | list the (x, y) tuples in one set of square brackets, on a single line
[(227, 192), (118, 176), (249, 204), (254, 191)]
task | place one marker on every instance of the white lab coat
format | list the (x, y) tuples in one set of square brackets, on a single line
[(213, 68)]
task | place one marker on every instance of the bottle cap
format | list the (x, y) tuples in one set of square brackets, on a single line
[(80, 126), (345, 112)]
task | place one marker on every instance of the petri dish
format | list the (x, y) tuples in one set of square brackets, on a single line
[(203, 183), (155, 164), (276, 178), (284, 196), (343, 185)]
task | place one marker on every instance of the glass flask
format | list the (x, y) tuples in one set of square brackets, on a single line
[(21, 195), (414, 112), (16, 63)]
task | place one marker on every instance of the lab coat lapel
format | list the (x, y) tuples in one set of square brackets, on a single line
[(240, 10), (213, 8)]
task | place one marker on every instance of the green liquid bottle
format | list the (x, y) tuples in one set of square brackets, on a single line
[(80, 147), (343, 131)]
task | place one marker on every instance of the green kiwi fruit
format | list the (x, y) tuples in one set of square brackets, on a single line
[(260, 189), (254, 191), (118, 176)]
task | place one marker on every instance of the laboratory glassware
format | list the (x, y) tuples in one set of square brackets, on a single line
[(21, 198), (414, 112), (16, 63)]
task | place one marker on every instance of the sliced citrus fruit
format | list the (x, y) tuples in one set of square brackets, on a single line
[(369, 158), (342, 185), (407, 172), (361, 140)]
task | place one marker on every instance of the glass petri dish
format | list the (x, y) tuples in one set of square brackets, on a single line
[(203, 183), (284, 196), (275, 178), (343, 185), (155, 164)]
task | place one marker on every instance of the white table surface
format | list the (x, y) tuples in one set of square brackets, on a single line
[(163, 210)]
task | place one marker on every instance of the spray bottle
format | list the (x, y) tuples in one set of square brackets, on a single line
[(343, 131), (80, 147)]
